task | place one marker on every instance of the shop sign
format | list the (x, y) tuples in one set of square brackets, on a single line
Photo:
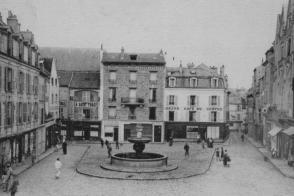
[(85, 104), (192, 108), (172, 108), (78, 133), (214, 109)]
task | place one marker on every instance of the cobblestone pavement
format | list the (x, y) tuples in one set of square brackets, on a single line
[(248, 174)]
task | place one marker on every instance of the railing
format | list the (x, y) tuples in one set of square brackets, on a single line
[(132, 117), (111, 99), (129, 100)]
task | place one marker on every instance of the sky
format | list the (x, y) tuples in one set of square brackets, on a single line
[(234, 33)]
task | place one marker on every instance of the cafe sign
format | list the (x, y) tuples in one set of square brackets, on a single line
[(85, 104)]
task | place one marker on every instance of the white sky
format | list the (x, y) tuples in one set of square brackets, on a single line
[(235, 33)]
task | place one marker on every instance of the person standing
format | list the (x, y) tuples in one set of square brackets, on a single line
[(64, 147), (186, 148), (171, 141), (8, 179), (217, 154), (222, 153), (109, 149), (106, 143), (242, 137), (116, 144), (58, 166), (13, 188), (203, 144), (102, 142)]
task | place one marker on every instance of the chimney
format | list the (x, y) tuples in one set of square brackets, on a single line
[(161, 52), (222, 70), (1, 18), (190, 65), (13, 22), (214, 70), (181, 68), (122, 53)]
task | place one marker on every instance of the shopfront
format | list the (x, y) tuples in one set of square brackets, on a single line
[(84, 130)]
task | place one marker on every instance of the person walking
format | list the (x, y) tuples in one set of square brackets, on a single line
[(203, 144), (109, 149), (171, 141), (242, 137), (102, 142), (226, 159), (64, 147), (106, 142), (217, 154), (186, 148), (13, 188), (58, 166), (8, 179), (116, 144)]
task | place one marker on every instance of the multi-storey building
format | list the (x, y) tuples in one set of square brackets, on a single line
[(132, 86), (80, 104), (195, 102), (21, 120)]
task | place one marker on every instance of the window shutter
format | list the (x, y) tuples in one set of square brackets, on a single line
[(218, 100), (176, 100), (209, 117), (167, 99), (188, 102), (12, 113), (17, 113), (217, 117), (187, 116), (175, 116), (198, 116), (197, 100), (209, 100), (6, 79), (5, 109), (0, 78)]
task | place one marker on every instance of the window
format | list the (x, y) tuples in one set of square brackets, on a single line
[(132, 94), (61, 112), (29, 111), (112, 94), (192, 116), (153, 76), (192, 100), (21, 82), (171, 100), (152, 95), (24, 112), (289, 47), (213, 116), (28, 83), (3, 43), (85, 96), (36, 111), (171, 115), (213, 100), (55, 81), (56, 98), (152, 113), (112, 75), (111, 112), (26, 54), (172, 82), (33, 58), (8, 79), (133, 76), (36, 84), (86, 113), (20, 112), (193, 82), (214, 82), (238, 117), (52, 81), (132, 114), (52, 98), (133, 57), (15, 47), (8, 114)]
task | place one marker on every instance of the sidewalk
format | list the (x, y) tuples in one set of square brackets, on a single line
[(280, 164), (28, 163)]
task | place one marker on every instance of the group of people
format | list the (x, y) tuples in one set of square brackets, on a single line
[(9, 181), (222, 155)]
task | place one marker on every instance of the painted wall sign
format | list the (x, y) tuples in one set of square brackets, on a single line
[(85, 104)]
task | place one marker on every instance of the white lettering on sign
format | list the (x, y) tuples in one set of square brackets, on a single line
[(85, 104), (172, 108), (214, 109)]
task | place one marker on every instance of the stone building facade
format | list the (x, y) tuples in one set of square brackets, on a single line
[(132, 87), (80, 104), (195, 103), (21, 120)]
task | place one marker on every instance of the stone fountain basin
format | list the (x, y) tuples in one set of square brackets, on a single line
[(144, 160), (137, 140)]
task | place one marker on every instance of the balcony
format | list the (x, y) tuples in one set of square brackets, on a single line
[(132, 116), (132, 101), (111, 100), (49, 117)]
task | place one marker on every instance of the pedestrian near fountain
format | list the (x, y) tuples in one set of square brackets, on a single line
[(109, 149), (13, 188), (58, 166), (106, 142), (217, 154), (203, 144), (222, 153), (116, 144), (186, 148), (102, 142)]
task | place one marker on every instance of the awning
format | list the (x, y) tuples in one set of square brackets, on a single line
[(289, 131), (274, 131)]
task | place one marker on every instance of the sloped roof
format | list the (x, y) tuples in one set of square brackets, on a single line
[(73, 59), (48, 64), (201, 70), (64, 77), (126, 58), (88, 80), (79, 79)]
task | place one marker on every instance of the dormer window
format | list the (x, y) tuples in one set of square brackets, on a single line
[(193, 82), (15, 46), (172, 82), (26, 54), (3, 43), (214, 82), (133, 57)]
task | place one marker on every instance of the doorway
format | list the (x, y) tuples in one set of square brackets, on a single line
[(157, 133), (115, 137)]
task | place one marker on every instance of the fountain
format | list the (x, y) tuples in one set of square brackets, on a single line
[(138, 161)]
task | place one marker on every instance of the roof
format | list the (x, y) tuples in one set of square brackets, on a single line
[(88, 80), (289, 131), (73, 59), (152, 58), (79, 79), (274, 131), (201, 70), (48, 64)]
